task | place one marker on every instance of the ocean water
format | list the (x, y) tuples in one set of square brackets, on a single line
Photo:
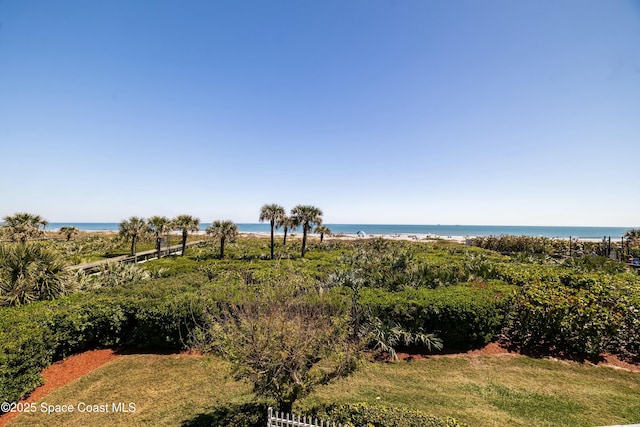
[(403, 229)]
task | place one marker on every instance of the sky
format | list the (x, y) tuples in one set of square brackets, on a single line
[(493, 112)]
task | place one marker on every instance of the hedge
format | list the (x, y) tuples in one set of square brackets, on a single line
[(34, 336), (585, 315), (363, 415), (463, 316)]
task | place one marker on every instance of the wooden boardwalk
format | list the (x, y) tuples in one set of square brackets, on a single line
[(92, 267)]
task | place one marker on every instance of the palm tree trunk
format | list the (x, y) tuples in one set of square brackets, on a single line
[(272, 225), (304, 239), (284, 242), (158, 248), (221, 247), (184, 241), (133, 245)]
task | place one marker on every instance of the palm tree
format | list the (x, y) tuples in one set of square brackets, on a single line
[(272, 213), (322, 230), (287, 224), (185, 223), (133, 228), (30, 272), (69, 231), (223, 230), (23, 226), (306, 216), (633, 235), (159, 225)]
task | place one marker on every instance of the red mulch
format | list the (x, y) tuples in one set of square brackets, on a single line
[(63, 372), (493, 349)]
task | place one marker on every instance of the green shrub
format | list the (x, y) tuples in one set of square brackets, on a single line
[(253, 414), (363, 415), (463, 316), (34, 336), (583, 315), (165, 323), (26, 348)]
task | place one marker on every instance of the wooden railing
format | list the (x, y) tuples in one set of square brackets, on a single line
[(95, 266)]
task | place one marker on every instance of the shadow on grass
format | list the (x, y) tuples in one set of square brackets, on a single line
[(251, 414)]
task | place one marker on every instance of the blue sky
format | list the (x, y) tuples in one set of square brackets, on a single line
[(415, 112)]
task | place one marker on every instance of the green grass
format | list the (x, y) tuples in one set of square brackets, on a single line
[(167, 391), (497, 391), (477, 390)]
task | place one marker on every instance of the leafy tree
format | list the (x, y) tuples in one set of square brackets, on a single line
[(286, 223), (133, 228), (322, 230), (69, 231), (186, 223), (159, 225), (23, 226), (283, 344), (274, 214), (30, 272), (306, 216), (223, 230)]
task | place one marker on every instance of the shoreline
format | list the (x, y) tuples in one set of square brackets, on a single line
[(417, 237), (404, 231)]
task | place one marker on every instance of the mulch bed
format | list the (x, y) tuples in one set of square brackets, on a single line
[(62, 373), (495, 348)]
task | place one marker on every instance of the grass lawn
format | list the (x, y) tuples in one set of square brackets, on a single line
[(478, 390), (166, 390)]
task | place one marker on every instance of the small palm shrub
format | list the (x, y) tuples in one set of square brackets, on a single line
[(30, 272), (386, 336)]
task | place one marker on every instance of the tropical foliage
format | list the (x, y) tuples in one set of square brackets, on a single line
[(275, 214), (186, 224), (385, 337), (23, 226), (322, 230), (306, 217), (223, 230), (159, 225), (69, 231), (633, 235), (287, 224), (133, 229), (372, 294), (30, 272)]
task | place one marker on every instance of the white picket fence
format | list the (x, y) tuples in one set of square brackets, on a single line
[(281, 419)]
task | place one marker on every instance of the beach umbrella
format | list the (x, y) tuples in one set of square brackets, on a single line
[(360, 233)]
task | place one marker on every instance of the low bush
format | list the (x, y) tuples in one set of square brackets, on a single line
[(253, 414), (584, 314), (535, 245), (26, 348), (363, 415)]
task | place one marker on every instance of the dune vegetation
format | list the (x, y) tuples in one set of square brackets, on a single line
[(314, 325)]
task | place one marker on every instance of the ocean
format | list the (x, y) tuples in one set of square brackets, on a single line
[(403, 229)]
